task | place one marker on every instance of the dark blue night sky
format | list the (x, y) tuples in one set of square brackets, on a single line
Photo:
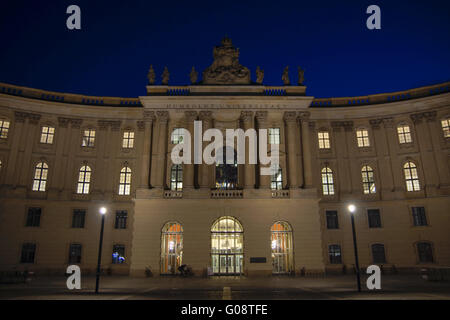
[(111, 54)]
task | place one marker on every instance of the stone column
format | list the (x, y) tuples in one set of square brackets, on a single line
[(249, 169), (70, 149), (159, 148), (145, 127), (394, 163), (205, 170), (306, 154), (291, 126), (61, 140), (33, 121), (264, 180), (18, 127), (188, 169)]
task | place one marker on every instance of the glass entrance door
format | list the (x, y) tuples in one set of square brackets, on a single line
[(281, 239), (227, 247)]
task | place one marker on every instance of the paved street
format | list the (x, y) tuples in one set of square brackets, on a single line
[(126, 288)]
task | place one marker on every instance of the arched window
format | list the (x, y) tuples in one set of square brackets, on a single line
[(368, 180), (378, 253), (324, 139), (411, 176), (84, 180), (40, 176), (4, 128), (282, 248), (425, 252), (171, 247), (176, 177), (362, 138), (404, 133), (276, 182), (446, 127), (226, 171), (327, 181), (227, 246), (125, 181)]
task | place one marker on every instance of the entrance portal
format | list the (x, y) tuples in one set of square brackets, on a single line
[(282, 260), (171, 247)]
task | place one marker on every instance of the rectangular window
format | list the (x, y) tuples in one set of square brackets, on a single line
[(378, 253), (78, 218), (446, 127), (118, 254), (128, 140), (28, 253), (404, 134), (425, 251), (324, 140), (276, 182), (332, 219), (33, 217), (334, 253), (362, 137), (75, 253), (177, 136), (121, 220), (419, 216), (47, 135), (88, 138), (4, 127), (373, 215), (274, 135)]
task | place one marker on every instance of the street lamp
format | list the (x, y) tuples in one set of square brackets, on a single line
[(99, 261), (352, 209)]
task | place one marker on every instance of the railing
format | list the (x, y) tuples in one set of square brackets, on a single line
[(171, 194), (280, 193), (227, 194)]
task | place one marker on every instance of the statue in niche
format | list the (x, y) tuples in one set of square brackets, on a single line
[(285, 76), (165, 76), (301, 76), (151, 75), (259, 75), (193, 75)]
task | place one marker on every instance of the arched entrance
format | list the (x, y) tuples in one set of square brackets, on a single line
[(227, 246), (282, 252), (171, 247)]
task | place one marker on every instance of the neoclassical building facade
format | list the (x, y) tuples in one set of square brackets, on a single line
[(63, 156)]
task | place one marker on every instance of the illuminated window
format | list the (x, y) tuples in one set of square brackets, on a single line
[(274, 135), (125, 181), (282, 248), (4, 127), (446, 127), (411, 176), (176, 177), (334, 254), (171, 247), (88, 138), (40, 176), (28, 253), (128, 140), (118, 254), (404, 134), (324, 140), (327, 181), (177, 136), (378, 254), (276, 182), (425, 252), (362, 137), (227, 246), (368, 180), (47, 135), (84, 180), (226, 169)]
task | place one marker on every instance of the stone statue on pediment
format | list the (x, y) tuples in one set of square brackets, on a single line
[(259, 75), (165, 76), (301, 76), (285, 76), (226, 68), (151, 75), (193, 75)]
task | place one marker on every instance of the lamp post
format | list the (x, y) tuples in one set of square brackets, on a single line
[(99, 261), (352, 209)]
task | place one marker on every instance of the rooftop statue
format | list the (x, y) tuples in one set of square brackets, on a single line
[(193, 75), (151, 75), (165, 76), (226, 68), (301, 76), (259, 75), (285, 76)]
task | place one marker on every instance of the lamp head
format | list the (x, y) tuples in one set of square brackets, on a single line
[(102, 210), (351, 208)]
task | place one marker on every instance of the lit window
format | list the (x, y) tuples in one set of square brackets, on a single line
[(378, 254), (324, 140), (118, 254), (334, 254), (446, 127), (425, 252), (171, 247), (177, 136), (88, 138), (176, 177), (128, 140), (282, 248), (404, 134), (411, 177), (125, 181), (274, 135), (362, 137), (4, 127), (276, 182), (40, 176), (368, 180), (47, 135), (327, 181), (28, 253), (84, 179)]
